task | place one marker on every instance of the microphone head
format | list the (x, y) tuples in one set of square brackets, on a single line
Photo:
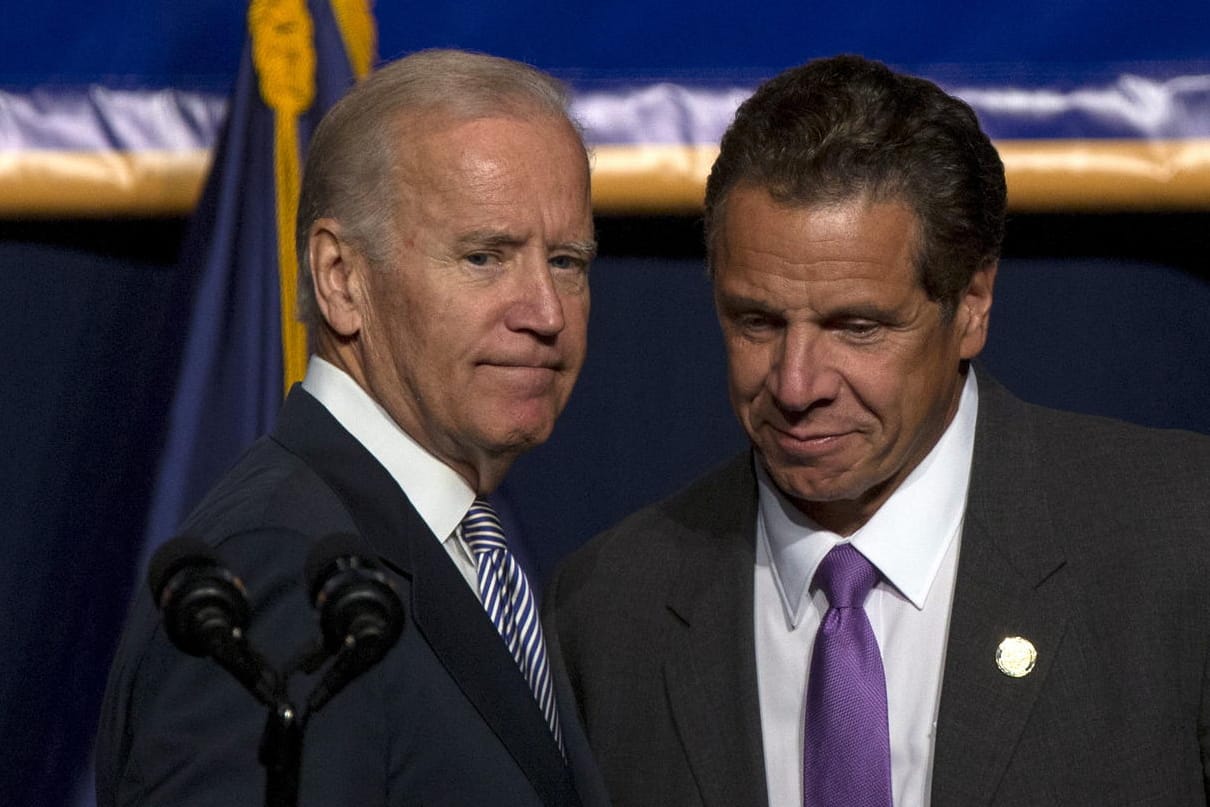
[(328, 556), (201, 599), (357, 602), (182, 551)]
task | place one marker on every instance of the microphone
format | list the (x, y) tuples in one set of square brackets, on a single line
[(206, 612), (360, 614)]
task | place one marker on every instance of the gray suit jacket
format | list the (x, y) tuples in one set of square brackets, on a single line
[(1089, 537), (446, 718)]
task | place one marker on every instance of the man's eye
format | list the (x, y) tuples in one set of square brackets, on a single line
[(860, 329), (754, 322), (479, 258), (568, 262)]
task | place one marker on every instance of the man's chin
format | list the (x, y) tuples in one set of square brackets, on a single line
[(812, 485), (520, 436)]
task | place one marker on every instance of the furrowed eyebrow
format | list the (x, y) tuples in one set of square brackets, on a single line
[(738, 302), (488, 238), (586, 250), (868, 311)]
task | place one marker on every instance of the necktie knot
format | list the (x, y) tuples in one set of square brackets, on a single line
[(845, 577), (481, 528)]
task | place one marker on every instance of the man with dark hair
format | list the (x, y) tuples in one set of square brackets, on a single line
[(915, 589), (444, 233)]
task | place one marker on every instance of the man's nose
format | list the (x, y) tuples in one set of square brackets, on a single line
[(804, 372), (537, 306)]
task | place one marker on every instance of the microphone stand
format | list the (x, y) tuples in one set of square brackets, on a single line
[(206, 610), (281, 752), (361, 618), (281, 745)]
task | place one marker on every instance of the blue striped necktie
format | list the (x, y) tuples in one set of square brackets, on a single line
[(510, 605)]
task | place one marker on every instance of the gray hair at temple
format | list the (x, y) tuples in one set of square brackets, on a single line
[(844, 128), (352, 167)]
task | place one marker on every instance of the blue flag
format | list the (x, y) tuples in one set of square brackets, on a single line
[(241, 347)]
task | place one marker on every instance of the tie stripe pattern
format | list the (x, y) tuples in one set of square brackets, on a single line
[(510, 605)]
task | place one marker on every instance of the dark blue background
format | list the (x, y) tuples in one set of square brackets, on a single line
[(1085, 318), (1107, 314), (196, 44)]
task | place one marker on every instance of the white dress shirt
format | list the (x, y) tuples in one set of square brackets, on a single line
[(439, 493), (913, 541)]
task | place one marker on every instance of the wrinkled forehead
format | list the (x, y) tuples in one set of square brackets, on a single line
[(780, 198), (440, 144), (416, 124), (519, 179)]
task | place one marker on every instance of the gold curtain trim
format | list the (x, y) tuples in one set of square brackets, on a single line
[(1107, 175), (1043, 176), (66, 184)]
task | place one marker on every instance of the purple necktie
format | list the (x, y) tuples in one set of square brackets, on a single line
[(847, 748)]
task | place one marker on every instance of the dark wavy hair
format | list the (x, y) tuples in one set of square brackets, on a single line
[(846, 128)]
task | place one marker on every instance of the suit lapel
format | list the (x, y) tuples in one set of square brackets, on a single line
[(455, 625), (1009, 583), (442, 606), (711, 672)]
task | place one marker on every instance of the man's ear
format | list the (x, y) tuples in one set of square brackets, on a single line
[(337, 272), (974, 310)]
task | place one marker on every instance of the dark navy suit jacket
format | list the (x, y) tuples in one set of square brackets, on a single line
[(445, 719)]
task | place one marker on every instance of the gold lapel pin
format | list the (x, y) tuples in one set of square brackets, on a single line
[(1016, 656)]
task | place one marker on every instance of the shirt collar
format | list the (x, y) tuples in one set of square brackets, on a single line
[(906, 539), (439, 493)]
